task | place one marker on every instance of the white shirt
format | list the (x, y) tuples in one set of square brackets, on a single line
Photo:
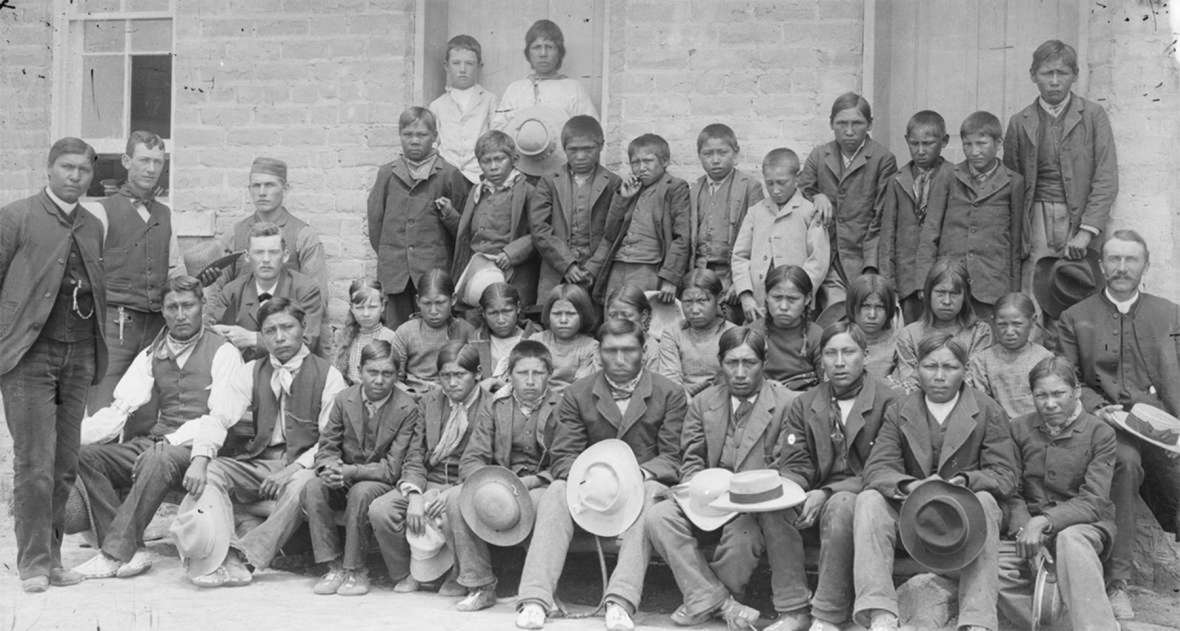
[(259, 289), (845, 409), (463, 116), (940, 411), (1123, 306), (66, 207), (560, 92), (1055, 110), (848, 159)]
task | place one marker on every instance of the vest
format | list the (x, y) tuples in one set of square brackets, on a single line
[(301, 422), (183, 393), (289, 225), (1050, 185), (136, 254)]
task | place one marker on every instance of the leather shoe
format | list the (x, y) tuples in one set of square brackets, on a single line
[(682, 618), (35, 584), (61, 577), (407, 585)]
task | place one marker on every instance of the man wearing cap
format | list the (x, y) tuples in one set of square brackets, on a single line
[(187, 370), (623, 401), (233, 310), (947, 432), (140, 255), (734, 426), (515, 431), (1125, 345), (268, 189), (52, 311)]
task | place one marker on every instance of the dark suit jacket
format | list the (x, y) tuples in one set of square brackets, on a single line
[(520, 250), (703, 437), (237, 303), (976, 443), (907, 248), (397, 425), (551, 213), (651, 426), (807, 452), (34, 243), (436, 409), (491, 435), (744, 192)]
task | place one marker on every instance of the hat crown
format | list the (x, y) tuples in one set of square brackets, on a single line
[(942, 524), (754, 482), (600, 490), (194, 533), (427, 544), (496, 505), (707, 486), (533, 137)]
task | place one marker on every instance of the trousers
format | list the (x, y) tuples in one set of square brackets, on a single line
[(241, 480), (1079, 580), (387, 515), (320, 504), (472, 554), (127, 332)]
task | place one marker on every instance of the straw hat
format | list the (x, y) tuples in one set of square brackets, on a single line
[(695, 496), (537, 133), (1151, 424), (480, 272), (759, 491)]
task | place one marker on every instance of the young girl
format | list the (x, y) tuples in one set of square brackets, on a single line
[(366, 305), (946, 310), (688, 353), (629, 302), (872, 305), (500, 306), (568, 318), (418, 340), (1002, 370), (792, 342)]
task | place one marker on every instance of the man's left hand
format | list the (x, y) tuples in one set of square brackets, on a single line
[(238, 336), (667, 292), (812, 505), (274, 483), (1075, 248), (1030, 538)]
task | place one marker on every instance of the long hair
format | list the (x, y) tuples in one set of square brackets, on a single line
[(955, 271)]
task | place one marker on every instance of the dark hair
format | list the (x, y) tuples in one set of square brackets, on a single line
[(577, 296), (1054, 365), (838, 328), (465, 355), (739, 335), (435, 281), (1021, 301), (499, 290), (413, 114), (620, 326), (935, 341), (632, 296), (953, 270), (927, 118), (700, 278), (582, 126), (530, 349), (548, 30), (277, 305), (1054, 49), (866, 286), (848, 101), (70, 146), (377, 350), (185, 284), (464, 42), (1130, 235), (788, 273), (495, 140), (981, 122), (267, 229), (148, 139), (780, 156), (717, 131), (650, 141)]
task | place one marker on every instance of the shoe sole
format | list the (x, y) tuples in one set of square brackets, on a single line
[(125, 572)]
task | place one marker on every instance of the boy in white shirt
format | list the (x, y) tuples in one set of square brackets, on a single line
[(464, 111)]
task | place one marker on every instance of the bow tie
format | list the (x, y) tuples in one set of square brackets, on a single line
[(264, 296)]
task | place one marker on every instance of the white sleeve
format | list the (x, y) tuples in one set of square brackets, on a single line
[(176, 265), (134, 389), (228, 402), (333, 385)]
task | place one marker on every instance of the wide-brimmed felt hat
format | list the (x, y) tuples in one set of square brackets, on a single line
[(604, 488), (496, 506), (759, 491), (536, 131), (1151, 424), (430, 556), (202, 530), (480, 272), (943, 526), (695, 496), (832, 314), (1046, 602), (1060, 283)]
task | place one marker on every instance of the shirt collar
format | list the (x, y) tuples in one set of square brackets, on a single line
[(735, 402), (986, 173), (1073, 418), (711, 183), (1124, 306), (1055, 110), (376, 405), (941, 411), (65, 206), (487, 187), (259, 289), (535, 79), (848, 158)]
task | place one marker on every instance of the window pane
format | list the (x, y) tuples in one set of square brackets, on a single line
[(109, 175), (148, 5), (151, 94), (103, 36), (151, 36), (95, 6), (102, 96)]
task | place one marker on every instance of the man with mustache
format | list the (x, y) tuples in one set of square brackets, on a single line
[(1125, 345)]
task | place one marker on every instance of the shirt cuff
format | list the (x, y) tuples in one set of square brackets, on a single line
[(306, 459), (1091, 229), (407, 487)]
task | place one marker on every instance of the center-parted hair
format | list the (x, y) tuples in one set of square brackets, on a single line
[(577, 296), (414, 114), (850, 101), (982, 122), (1054, 365), (185, 284), (377, 350), (741, 336), (866, 286), (464, 355), (495, 140), (582, 126), (545, 29), (792, 274), (700, 278), (926, 118), (620, 326), (499, 291), (838, 328), (955, 271), (717, 131), (654, 142), (530, 349), (935, 341), (1022, 302), (632, 296), (276, 305), (435, 282)]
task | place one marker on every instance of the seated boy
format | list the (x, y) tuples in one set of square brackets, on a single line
[(464, 111), (645, 242)]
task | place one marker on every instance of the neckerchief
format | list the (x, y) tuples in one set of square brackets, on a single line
[(421, 170), (453, 430), (284, 373), (130, 194), (527, 408), (623, 391), (1055, 110), (172, 348)]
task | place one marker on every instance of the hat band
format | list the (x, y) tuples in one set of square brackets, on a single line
[(756, 498)]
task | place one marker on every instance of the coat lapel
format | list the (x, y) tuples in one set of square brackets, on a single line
[(605, 404), (832, 159), (738, 184), (862, 406), (1073, 115), (858, 161), (437, 413), (402, 172), (637, 407), (355, 413), (694, 214), (502, 410), (905, 177), (1030, 122), (756, 424), (959, 426), (818, 420), (917, 431), (716, 422), (518, 199)]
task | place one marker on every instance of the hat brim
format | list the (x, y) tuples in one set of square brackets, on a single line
[(221, 521), (937, 560), (548, 162), (831, 314), (467, 497), (792, 496), (432, 569), (1043, 274), (707, 523), (1120, 418), (1046, 602), (471, 283), (619, 456), (664, 315)]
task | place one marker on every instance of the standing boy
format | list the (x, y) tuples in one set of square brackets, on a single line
[(464, 111)]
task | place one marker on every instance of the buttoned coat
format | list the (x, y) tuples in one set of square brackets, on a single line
[(492, 435), (34, 246), (237, 304), (707, 422), (436, 410), (520, 251), (651, 425), (551, 217), (976, 444), (907, 248), (744, 192), (858, 198), (791, 235), (398, 424), (807, 453), (1089, 165)]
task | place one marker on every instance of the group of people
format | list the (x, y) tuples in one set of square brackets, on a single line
[(864, 339)]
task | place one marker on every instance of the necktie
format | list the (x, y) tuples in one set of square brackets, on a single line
[(264, 296), (742, 413), (922, 193)]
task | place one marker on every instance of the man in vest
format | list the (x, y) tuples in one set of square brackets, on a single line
[(187, 371), (290, 391), (140, 255)]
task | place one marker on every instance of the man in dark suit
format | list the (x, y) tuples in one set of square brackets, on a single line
[(233, 311), (52, 310), (623, 401)]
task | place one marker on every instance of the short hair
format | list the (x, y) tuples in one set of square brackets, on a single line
[(70, 146), (1054, 49), (926, 118), (1023, 302), (981, 122), (1126, 234), (935, 341), (779, 157), (579, 298), (738, 336), (851, 328), (185, 284), (1054, 365), (377, 350), (464, 42), (495, 140), (414, 114), (530, 349), (717, 131), (582, 126), (360, 289), (267, 229), (790, 274), (654, 142), (277, 305), (866, 286), (465, 355), (630, 295), (548, 30), (501, 290), (954, 270), (848, 101), (435, 281), (148, 139), (699, 278), (620, 326)]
